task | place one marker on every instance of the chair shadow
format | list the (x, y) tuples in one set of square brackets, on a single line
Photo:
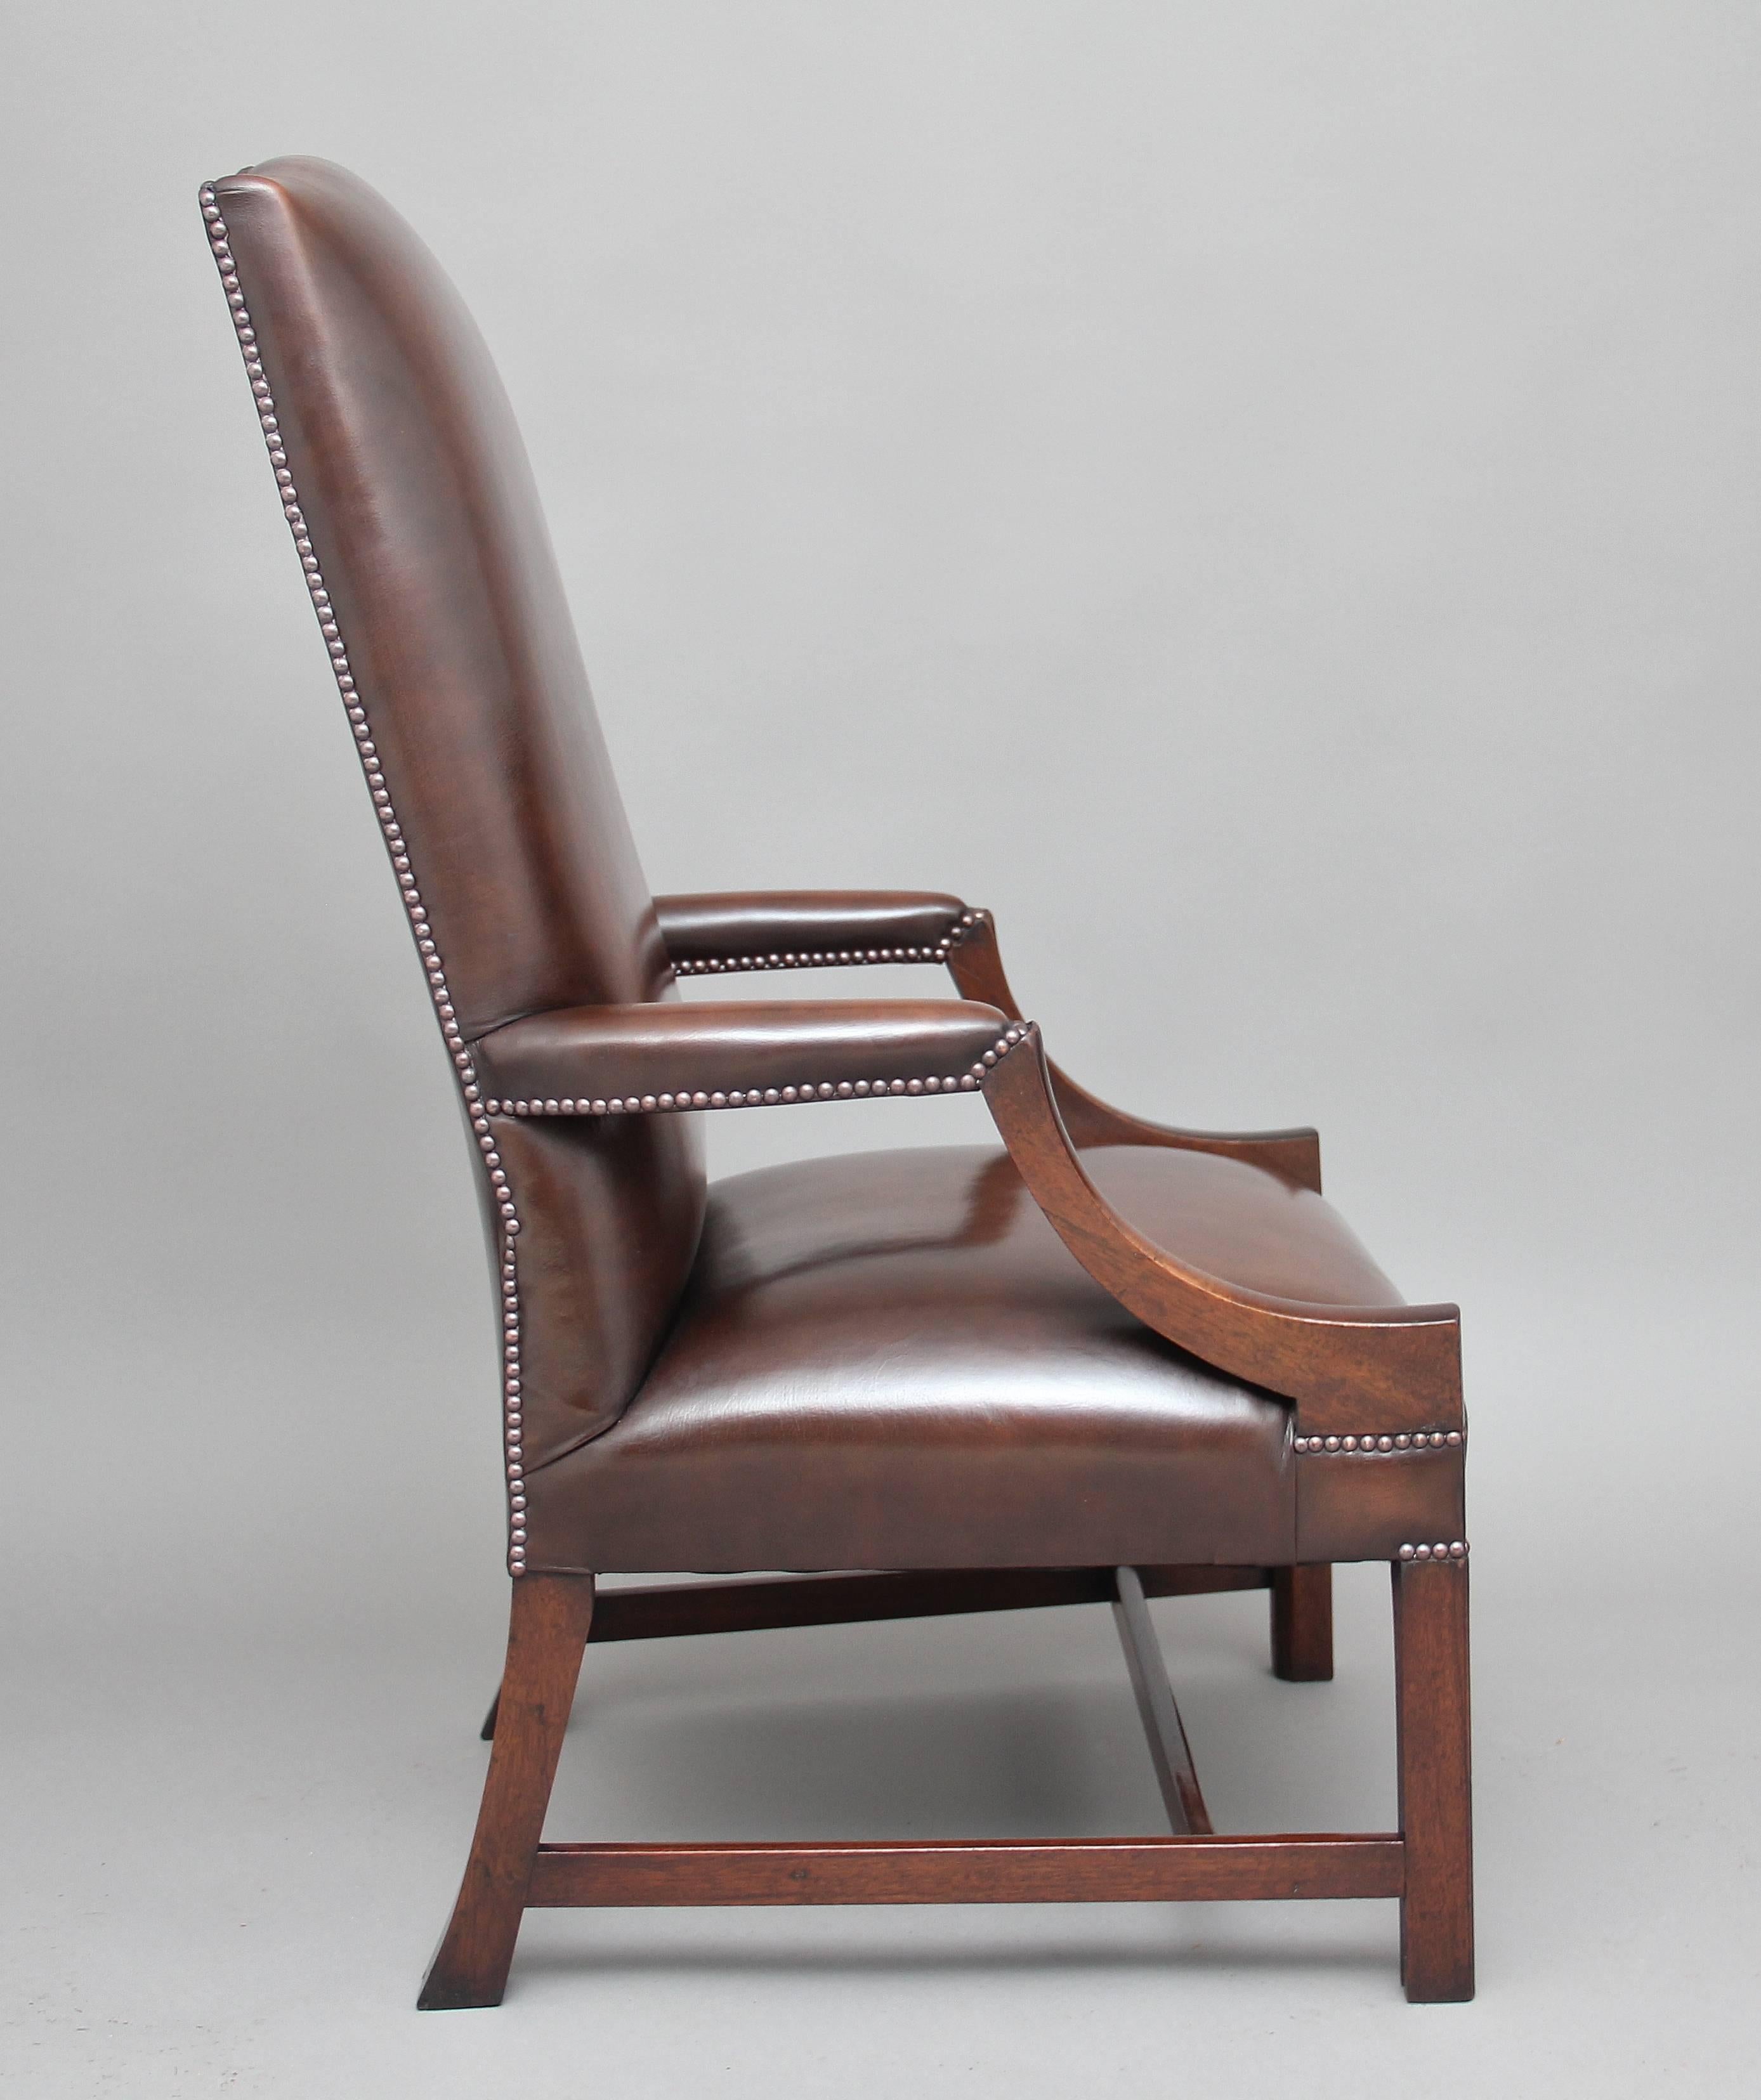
[(1365, 1958), (992, 1764), (997, 1763)]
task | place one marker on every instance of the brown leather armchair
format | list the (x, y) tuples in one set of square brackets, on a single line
[(1108, 1361)]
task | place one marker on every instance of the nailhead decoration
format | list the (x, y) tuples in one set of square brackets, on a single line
[(398, 847), (820, 959), (1377, 1447), (1444, 1550), (766, 1098)]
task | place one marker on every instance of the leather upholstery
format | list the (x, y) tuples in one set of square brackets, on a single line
[(889, 1360), (885, 1361), (419, 501), (710, 928), (591, 1052)]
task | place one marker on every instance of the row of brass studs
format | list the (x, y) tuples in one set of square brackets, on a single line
[(820, 959), (1371, 1447), (398, 847), (766, 1098)]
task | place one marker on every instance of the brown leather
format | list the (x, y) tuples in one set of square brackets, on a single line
[(890, 1361), (414, 486), (885, 1361), (592, 1053), (845, 923), (1366, 1509)]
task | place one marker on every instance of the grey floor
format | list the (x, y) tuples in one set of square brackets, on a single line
[(242, 1765)]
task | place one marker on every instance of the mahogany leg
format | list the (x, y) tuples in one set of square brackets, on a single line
[(1436, 1792), (1302, 1624), (486, 1733), (547, 1630)]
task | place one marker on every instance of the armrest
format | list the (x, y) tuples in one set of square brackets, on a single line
[(1350, 1368), (626, 1060), (976, 965), (781, 929), (1402, 1360), (715, 933)]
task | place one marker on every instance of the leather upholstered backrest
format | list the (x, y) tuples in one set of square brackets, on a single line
[(416, 517)]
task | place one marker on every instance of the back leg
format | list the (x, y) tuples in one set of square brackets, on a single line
[(547, 1630), (1302, 1624)]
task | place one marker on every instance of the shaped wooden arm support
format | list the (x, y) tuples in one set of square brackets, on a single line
[(1350, 1370), (976, 965), (740, 930)]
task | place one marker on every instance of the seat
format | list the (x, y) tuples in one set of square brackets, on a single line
[(891, 1360), (1113, 1359)]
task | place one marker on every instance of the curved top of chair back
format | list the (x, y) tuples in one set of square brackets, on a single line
[(413, 508), (416, 492)]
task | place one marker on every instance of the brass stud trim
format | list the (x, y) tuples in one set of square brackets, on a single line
[(761, 1097), (1400, 1444), (1454, 1550), (398, 847), (824, 958)]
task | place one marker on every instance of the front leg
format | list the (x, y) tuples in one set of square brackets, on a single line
[(547, 1631), (1436, 1788)]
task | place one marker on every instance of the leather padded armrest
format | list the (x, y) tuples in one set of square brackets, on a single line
[(802, 928), (600, 1059)]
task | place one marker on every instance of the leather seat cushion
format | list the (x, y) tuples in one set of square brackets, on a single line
[(889, 1360)]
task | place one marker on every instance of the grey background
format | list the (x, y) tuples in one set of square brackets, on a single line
[(1263, 497)]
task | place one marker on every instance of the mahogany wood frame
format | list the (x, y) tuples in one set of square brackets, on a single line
[(1352, 1372), (1426, 1865)]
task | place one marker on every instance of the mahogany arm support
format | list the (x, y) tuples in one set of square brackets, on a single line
[(976, 965), (1350, 1370), (727, 932), (619, 1060), (779, 929)]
